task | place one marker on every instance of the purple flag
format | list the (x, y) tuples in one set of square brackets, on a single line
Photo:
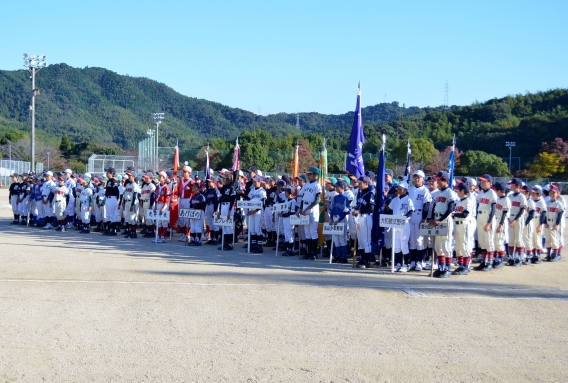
[(407, 168), (377, 235), (354, 163)]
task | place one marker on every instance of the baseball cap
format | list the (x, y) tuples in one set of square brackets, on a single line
[(442, 175), (119, 177), (486, 177), (331, 180), (313, 169), (252, 169), (169, 173), (515, 181), (403, 185), (16, 174), (86, 179), (61, 178), (162, 173), (340, 184), (287, 190), (389, 172), (555, 188), (257, 179), (558, 186), (463, 187), (130, 173), (68, 171), (365, 179), (537, 189), (303, 177), (419, 173), (281, 183), (499, 186), (186, 169), (110, 170), (370, 174)]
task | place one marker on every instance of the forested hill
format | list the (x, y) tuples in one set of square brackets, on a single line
[(95, 105), (98, 104)]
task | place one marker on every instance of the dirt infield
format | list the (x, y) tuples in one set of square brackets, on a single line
[(84, 307)]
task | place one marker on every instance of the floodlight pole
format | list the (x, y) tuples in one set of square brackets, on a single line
[(510, 145), (47, 160), (34, 66), (158, 117)]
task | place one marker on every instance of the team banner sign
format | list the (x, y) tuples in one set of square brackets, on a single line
[(328, 229), (279, 207), (158, 216), (439, 230), (190, 213), (252, 204), (223, 222), (395, 221), (301, 220)]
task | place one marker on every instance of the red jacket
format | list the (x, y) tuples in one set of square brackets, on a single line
[(162, 194)]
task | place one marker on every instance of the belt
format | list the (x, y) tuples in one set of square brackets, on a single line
[(225, 203), (460, 222), (417, 210), (551, 220), (362, 214), (112, 196), (482, 212)]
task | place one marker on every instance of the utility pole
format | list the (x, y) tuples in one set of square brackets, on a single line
[(510, 145)]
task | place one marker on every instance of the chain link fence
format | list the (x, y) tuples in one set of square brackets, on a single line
[(8, 167)]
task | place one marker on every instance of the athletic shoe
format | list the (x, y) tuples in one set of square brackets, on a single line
[(212, 242), (342, 260), (258, 250), (481, 266), (498, 265), (489, 267), (554, 258), (363, 265), (157, 240), (437, 273), (183, 238), (458, 271), (418, 267), (48, 226), (162, 240), (445, 274), (403, 269), (511, 262), (412, 266), (59, 228), (517, 262)]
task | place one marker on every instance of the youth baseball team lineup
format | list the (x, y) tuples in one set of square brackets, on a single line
[(491, 223)]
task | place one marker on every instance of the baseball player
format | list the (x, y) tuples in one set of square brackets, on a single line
[(537, 225), (184, 194), (59, 198), (162, 198), (364, 210), (77, 205), (212, 197), (13, 198), (197, 202), (227, 201), (402, 205), (257, 193), (24, 191), (486, 201), (443, 206), (291, 208), (99, 205), (502, 208), (528, 226), (86, 200), (516, 222), (462, 228), (339, 210), (311, 196), (47, 207), (70, 184), (421, 200), (111, 203), (130, 203), (552, 232)]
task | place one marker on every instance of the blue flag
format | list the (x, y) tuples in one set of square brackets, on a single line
[(377, 235), (451, 163), (354, 163), (407, 168)]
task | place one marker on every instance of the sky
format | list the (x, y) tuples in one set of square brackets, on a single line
[(304, 56)]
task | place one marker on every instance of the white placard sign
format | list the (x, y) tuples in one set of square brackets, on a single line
[(396, 221), (333, 229), (279, 207), (190, 213), (223, 222), (252, 204), (163, 216), (301, 220), (440, 230)]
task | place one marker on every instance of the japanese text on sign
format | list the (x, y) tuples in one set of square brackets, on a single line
[(333, 229), (223, 222), (440, 230), (396, 221), (190, 213), (163, 216), (279, 207), (252, 204), (301, 220)]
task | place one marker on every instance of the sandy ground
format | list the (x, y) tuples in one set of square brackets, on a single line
[(80, 308)]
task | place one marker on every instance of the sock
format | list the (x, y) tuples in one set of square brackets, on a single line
[(490, 256), (484, 256), (441, 263), (461, 261), (406, 258), (448, 263)]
